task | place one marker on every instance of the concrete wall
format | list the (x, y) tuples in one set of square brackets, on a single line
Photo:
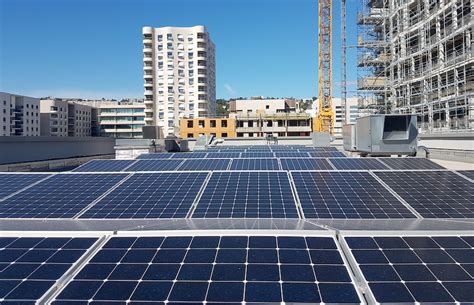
[(29, 149)]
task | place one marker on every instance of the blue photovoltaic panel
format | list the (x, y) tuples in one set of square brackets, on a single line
[(422, 269), (326, 154), (254, 164), (30, 266), (347, 195), (155, 156), (469, 174), (257, 155), (104, 166), (150, 195), (217, 155), (214, 270), (204, 164), (291, 154), (410, 163), (155, 165), (186, 155), (305, 164), (357, 163), (60, 196), (11, 183), (433, 194), (247, 195)]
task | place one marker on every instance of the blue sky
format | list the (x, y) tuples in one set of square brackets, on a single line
[(93, 48)]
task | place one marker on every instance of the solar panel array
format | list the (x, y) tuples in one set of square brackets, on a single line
[(11, 183), (423, 269), (105, 166), (216, 270)]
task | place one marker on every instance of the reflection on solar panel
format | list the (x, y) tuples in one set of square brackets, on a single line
[(247, 195), (11, 183), (326, 154), (62, 195), (433, 194), (357, 163), (291, 154), (30, 266), (155, 165), (150, 195), (254, 164), (469, 174), (218, 270), (186, 155), (257, 155), (305, 164), (212, 155), (104, 166), (410, 163), (346, 195), (204, 164), (417, 269), (155, 156)]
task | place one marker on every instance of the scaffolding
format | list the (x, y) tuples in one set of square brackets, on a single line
[(420, 61)]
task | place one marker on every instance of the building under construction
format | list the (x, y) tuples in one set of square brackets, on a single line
[(416, 57)]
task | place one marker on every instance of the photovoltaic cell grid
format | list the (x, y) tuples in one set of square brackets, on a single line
[(155, 165), (186, 155), (213, 155), (204, 164), (357, 164), (247, 195), (347, 195), (254, 164), (433, 194), (305, 164), (104, 166), (326, 154), (469, 174), (410, 163), (11, 183), (257, 155), (291, 154), (150, 195), (31, 266), (60, 196), (217, 270), (155, 156), (417, 269)]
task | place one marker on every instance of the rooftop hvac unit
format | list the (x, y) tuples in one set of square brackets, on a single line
[(391, 134), (349, 137)]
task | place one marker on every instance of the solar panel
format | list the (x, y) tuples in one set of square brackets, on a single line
[(30, 266), (213, 269), (326, 154), (357, 163), (469, 174), (104, 166), (328, 148), (423, 269), (61, 196), (155, 156), (186, 155), (305, 164), (150, 195), (247, 195), (433, 194), (204, 164), (410, 163), (213, 155), (155, 165), (291, 154), (347, 195), (257, 155), (11, 183), (255, 164)]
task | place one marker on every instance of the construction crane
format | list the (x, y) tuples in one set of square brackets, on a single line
[(325, 116)]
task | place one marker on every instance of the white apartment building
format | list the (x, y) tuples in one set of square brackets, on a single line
[(179, 75), (121, 120), (19, 115), (54, 118), (79, 120)]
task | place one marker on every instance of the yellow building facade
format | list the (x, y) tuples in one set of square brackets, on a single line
[(218, 127)]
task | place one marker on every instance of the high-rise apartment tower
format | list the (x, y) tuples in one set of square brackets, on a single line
[(179, 75)]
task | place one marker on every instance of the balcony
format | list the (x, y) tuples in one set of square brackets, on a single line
[(147, 40), (248, 129), (148, 50), (148, 93), (299, 128), (274, 128), (368, 83)]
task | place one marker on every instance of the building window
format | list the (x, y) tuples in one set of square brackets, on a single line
[(190, 124), (267, 106), (190, 135), (160, 37), (224, 123), (169, 36), (213, 123), (224, 135), (201, 124)]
